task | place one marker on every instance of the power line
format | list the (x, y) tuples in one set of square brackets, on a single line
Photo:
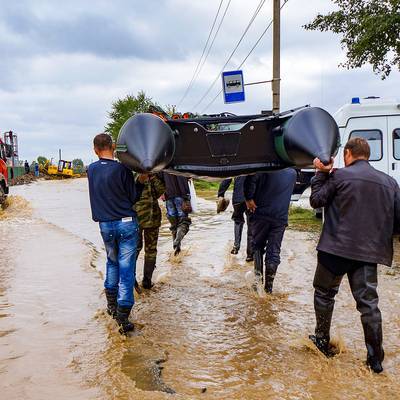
[(248, 55), (215, 36), (258, 9), (202, 54)]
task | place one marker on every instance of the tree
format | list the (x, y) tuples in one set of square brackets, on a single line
[(122, 109), (371, 32), (78, 166), (42, 160)]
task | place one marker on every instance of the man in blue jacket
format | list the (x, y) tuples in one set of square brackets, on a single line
[(113, 192), (268, 199), (239, 213)]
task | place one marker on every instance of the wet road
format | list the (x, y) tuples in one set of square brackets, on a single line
[(202, 333)]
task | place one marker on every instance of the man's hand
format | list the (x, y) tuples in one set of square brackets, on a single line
[(142, 178), (319, 166), (251, 206)]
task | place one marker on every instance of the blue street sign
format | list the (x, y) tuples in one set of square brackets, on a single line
[(233, 86)]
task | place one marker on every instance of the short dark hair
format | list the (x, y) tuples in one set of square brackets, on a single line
[(358, 147), (102, 141)]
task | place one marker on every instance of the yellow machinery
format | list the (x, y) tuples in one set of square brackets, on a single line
[(64, 168)]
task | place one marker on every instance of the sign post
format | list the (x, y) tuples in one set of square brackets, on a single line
[(233, 86)]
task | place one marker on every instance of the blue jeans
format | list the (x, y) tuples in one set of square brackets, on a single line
[(120, 240), (174, 207)]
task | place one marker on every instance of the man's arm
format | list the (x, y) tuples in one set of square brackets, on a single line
[(133, 187), (249, 189), (322, 190), (158, 185), (224, 186)]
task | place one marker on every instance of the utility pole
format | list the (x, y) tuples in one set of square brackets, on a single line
[(276, 49)]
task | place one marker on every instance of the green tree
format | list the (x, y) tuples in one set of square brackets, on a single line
[(78, 165), (41, 160), (122, 109), (370, 32)]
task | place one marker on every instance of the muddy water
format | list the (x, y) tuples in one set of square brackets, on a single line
[(202, 333)]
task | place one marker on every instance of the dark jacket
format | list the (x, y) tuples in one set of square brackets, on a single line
[(361, 207), (176, 186), (271, 192), (238, 191), (112, 190)]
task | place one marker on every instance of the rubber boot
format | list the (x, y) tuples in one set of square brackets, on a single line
[(111, 302), (270, 272), (122, 319), (149, 267), (181, 231), (373, 341), (258, 264), (324, 301), (238, 229), (173, 226)]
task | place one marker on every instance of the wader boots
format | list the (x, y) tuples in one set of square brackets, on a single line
[(111, 302), (238, 229), (270, 272), (373, 341), (122, 319), (149, 267), (181, 230)]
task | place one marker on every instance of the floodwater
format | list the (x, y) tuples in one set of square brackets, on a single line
[(202, 332)]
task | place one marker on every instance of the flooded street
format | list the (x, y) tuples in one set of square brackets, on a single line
[(201, 333)]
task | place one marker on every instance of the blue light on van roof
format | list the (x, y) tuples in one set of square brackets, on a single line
[(355, 100)]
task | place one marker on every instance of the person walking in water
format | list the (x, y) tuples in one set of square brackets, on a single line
[(362, 207), (149, 217), (177, 201), (113, 193), (239, 213), (268, 198)]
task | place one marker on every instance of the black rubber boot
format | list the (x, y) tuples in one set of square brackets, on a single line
[(326, 287), (373, 341), (173, 225), (181, 231), (111, 302), (258, 264), (238, 229), (323, 345), (122, 319), (149, 267), (270, 272)]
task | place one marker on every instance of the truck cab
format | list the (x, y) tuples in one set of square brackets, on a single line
[(3, 172), (378, 121)]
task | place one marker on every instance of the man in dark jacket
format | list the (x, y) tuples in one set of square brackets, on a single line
[(361, 207), (177, 196), (239, 212), (113, 192), (268, 199)]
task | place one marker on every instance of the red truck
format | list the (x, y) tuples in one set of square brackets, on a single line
[(4, 152)]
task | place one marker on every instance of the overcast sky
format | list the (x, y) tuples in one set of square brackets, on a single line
[(62, 64)]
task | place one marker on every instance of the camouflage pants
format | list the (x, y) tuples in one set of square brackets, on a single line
[(150, 238)]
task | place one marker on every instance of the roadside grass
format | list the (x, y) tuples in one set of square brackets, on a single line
[(205, 186), (303, 219)]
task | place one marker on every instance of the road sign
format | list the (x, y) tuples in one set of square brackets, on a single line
[(233, 86)]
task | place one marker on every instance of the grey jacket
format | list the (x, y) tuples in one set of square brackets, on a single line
[(362, 207)]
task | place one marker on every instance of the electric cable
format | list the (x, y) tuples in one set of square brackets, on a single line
[(258, 9), (202, 54), (247, 56)]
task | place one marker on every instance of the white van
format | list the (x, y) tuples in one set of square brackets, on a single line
[(378, 121)]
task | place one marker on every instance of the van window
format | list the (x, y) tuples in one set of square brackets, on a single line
[(396, 144), (374, 139)]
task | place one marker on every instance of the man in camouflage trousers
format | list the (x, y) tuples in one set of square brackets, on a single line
[(149, 217)]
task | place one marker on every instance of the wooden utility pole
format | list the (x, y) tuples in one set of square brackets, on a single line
[(276, 48)]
